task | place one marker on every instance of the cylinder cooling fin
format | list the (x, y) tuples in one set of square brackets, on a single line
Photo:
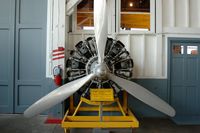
[(83, 59)]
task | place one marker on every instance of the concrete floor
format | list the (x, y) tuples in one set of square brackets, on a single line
[(19, 124)]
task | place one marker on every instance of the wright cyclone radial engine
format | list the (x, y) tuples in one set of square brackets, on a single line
[(83, 60)]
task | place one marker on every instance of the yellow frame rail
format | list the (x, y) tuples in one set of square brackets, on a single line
[(126, 120)]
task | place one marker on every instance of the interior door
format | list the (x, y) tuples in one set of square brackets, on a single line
[(185, 80), (7, 15), (31, 21)]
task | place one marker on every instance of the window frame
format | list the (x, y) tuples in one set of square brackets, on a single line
[(74, 23), (152, 19), (114, 20), (111, 19)]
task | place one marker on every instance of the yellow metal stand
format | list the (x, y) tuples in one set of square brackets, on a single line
[(125, 120)]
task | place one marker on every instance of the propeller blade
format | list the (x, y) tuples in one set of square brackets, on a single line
[(144, 95), (56, 96), (100, 26)]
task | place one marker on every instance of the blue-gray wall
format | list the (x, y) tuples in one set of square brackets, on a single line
[(30, 47), (158, 87), (23, 54), (7, 22)]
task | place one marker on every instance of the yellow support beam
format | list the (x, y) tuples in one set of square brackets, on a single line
[(126, 120), (99, 125), (93, 109), (121, 109), (77, 108), (107, 122), (96, 118)]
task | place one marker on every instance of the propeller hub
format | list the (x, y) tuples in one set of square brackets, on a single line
[(101, 70)]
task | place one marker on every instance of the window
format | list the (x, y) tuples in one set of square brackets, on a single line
[(128, 15), (136, 15), (178, 49), (193, 50), (84, 15)]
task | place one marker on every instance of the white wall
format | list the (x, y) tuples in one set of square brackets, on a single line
[(181, 16), (174, 18), (178, 18), (55, 34)]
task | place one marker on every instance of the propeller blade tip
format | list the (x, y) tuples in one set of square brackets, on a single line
[(173, 113), (27, 114)]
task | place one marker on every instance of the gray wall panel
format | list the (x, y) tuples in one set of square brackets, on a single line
[(30, 53), (5, 9), (4, 54), (4, 96), (23, 41), (7, 15), (31, 11), (28, 94)]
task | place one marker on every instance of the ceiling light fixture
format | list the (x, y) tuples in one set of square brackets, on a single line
[(131, 4)]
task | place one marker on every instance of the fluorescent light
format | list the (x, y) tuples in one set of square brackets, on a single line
[(88, 28), (139, 29)]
